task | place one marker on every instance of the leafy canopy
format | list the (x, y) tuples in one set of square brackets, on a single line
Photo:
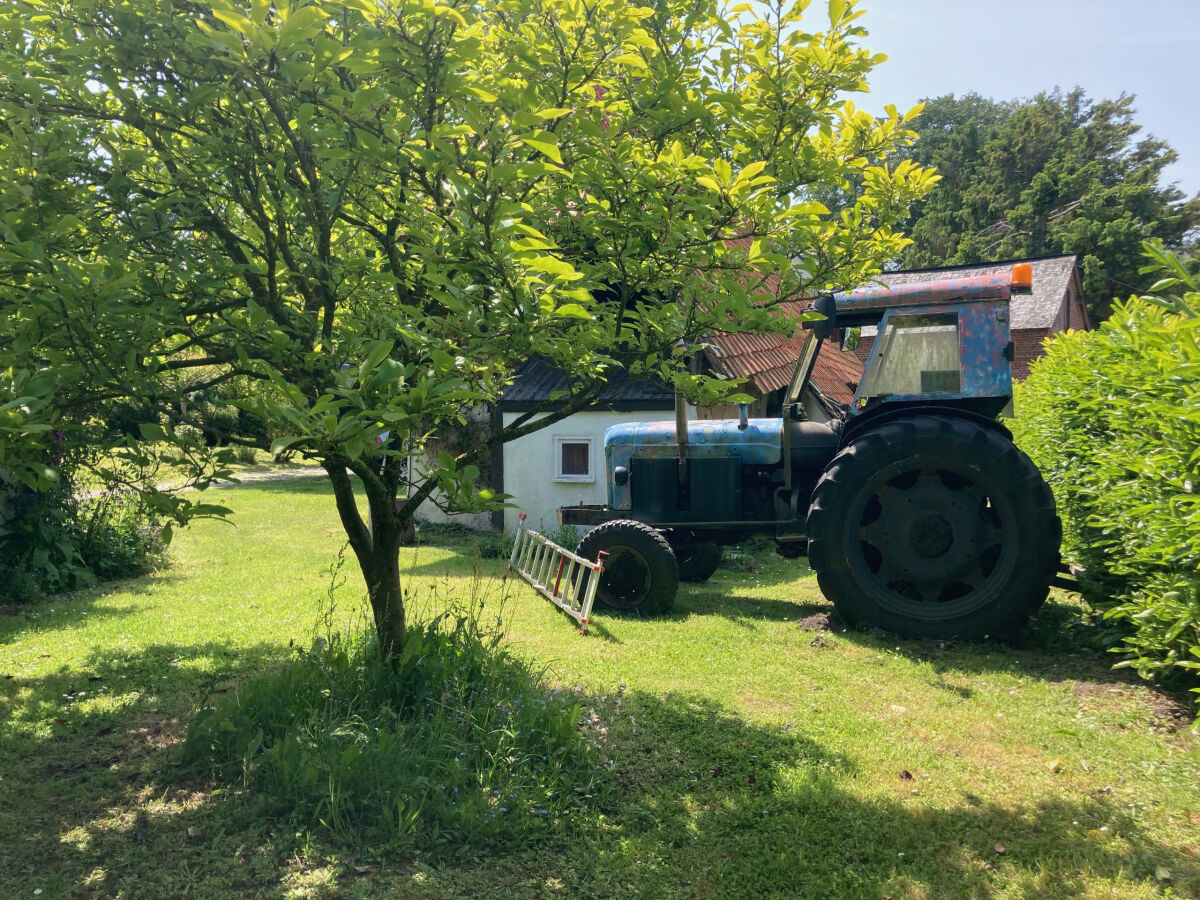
[(355, 219), (1055, 174)]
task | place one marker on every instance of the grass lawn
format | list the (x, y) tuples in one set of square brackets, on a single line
[(752, 748)]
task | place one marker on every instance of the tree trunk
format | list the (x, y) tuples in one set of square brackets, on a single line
[(377, 548), (387, 599)]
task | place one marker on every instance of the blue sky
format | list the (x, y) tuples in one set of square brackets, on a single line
[(1017, 48)]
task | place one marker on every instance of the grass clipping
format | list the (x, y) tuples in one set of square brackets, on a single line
[(458, 745)]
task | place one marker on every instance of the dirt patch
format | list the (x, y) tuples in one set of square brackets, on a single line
[(1167, 711), (815, 622), (1170, 712), (285, 474)]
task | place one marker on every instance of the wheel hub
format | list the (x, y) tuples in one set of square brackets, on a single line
[(931, 535), (626, 578), (925, 533)]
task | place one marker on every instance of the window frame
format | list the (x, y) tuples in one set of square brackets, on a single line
[(559, 441)]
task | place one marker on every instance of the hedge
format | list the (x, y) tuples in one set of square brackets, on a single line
[(1112, 418)]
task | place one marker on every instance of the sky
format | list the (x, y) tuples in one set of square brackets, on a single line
[(1007, 49)]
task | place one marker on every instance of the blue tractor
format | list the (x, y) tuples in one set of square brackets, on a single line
[(915, 509)]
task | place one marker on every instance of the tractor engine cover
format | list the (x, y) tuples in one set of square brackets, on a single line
[(759, 444)]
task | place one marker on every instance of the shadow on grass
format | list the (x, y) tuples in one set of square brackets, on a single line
[(74, 609), (88, 767), (713, 601), (1061, 643), (710, 805), (156, 677), (693, 801), (315, 481)]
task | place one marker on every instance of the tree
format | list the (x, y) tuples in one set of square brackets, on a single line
[(1055, 174), (360, 216)]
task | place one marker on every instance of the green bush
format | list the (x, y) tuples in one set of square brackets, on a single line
[(247, 456), (497, 546), (56, 541), (119, 536), (1112, 418), (457, 745)]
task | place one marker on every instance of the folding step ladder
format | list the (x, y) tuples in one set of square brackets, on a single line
[(566, 580)]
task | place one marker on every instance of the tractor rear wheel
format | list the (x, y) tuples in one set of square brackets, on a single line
[(640, 571), (934, 526), (698, 559)]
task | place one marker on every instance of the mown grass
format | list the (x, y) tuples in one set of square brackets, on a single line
[(751, 747)]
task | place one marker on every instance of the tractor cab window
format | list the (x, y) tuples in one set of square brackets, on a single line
[(916, 355), (804, 365)]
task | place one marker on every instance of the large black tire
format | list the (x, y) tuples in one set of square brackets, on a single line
[(640, 571), (934, 526), (698, 559)]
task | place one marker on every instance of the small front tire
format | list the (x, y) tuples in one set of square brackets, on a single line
[(640, 571), (698, 559)]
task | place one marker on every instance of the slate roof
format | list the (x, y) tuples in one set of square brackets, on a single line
[(535, 381), (1051, 278)]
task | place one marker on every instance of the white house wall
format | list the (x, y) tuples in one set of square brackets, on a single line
[(529, 466), (478, 418)]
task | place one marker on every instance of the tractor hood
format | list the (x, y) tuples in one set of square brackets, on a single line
[(757, 444)]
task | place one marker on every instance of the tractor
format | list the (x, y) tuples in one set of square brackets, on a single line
[(914, 508)]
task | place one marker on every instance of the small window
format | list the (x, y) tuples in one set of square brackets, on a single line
[(573, 459)]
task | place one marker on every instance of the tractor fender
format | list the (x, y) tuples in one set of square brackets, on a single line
[(855, 425)]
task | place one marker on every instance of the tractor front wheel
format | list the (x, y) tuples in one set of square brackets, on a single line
[(698, 559), (640, 571), (934, 527)]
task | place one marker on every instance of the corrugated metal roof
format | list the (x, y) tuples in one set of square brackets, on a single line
[(769, 359), (1051, 278), (836, 373)]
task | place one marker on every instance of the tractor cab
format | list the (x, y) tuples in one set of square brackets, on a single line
[(944, 343)]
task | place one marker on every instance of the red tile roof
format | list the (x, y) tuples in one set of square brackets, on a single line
[(767, 360), (836, 373)]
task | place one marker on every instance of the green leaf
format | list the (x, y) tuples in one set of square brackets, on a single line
[(748, 172), (552, 265), (236, 21), (572, 310), (283, 443), (545, 143), (377, 353), (304, 23), (370, 10)]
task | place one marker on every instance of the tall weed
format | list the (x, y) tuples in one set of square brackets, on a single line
[(455, 746)]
